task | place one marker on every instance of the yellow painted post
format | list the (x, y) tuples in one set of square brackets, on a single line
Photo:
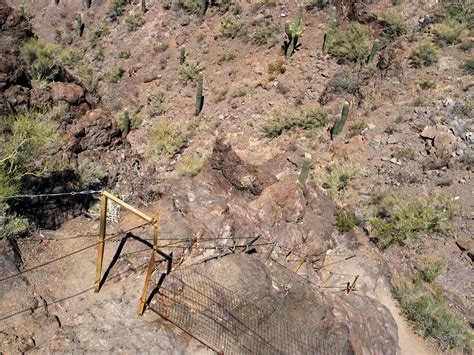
[(102, 232)]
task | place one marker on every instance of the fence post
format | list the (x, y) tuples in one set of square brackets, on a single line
[(102, 232)]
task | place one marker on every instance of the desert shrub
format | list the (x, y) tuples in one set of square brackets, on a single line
[(98, 55), (190, 6), (345, 220), (356, 128), (134, 21), (425, 53), (460, 10), (432, 270), (40, 59), (124, 54), (262, 36), (468, 66), (286, 119), (225, 57), (351, 44), (467, 44), (220, 95), (449, 32), (86, 74), (71, 56), (275, 68), (160, 47), (425, 310), (399, 219), (166, 138), (231, 27), (116, 8), (115, 74), (393, 25), (228, 6), (166, 4), (336, 180), (92, 173), (265, 4), (190, 166), (240, 92), (101, 31), (155, 104), (426, 84), (190, 71), (316, 4)]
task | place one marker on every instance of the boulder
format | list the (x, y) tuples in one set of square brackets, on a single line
[(71, 93)]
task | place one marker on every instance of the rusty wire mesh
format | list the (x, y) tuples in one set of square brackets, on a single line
[(225, 320)]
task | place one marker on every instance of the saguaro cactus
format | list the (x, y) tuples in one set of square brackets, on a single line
[(199, 97), (203, 10), (143, 6), (126, 125), (293, 30), (374, 49), (182, 55), (332, 23), (305, 170), (79, 24), (340, 120)]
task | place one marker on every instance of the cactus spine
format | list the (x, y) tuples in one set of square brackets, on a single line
[(293, 30), (199, 97), (332, 23), (126, 124), (305, 170), (340, 120), (79, 24), (374, 49), (203, 10), (143, 6), (182, 55)]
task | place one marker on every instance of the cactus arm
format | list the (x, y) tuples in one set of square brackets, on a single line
[(332, 24), (340, 120), (305, 170)]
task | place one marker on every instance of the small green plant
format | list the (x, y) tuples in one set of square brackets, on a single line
[(424, 307), (393, 25), (286, 119), (199, 96), (468, 66), (427, 84), (432, 270), (340, 120), (275, 68), (331, 30), (116, 8), (240, 92), (262, 35), (124, 54), (40, 59), (399, 219), (160, 47), (225, 57), (99, 33), (356, 128), (336, 180), (190, 166), (224, 6), (190, 71), (467, 44), (70, 57), (231, 27), (115, 74), (425, 53), (345, 220), (134, 21), (352, 44), (293, 30), (449, 32), (166, 138), (155, 104)]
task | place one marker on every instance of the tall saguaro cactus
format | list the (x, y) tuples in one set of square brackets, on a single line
[(79, 24), (143, 6), (199, 96), (293, 30), (182, 55), (332, 23), (126, 125), (305, 170), (340, 120)]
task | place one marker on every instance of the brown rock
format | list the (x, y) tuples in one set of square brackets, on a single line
[(428, 132), (444, 143), (73, 94)]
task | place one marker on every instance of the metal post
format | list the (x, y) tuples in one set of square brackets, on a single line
[(102, 232)]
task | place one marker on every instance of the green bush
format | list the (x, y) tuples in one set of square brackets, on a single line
[(116, 8), (40, 59), (262, 35), (160, 47), (231, 27), (190, 6), (468, 66), (115, 74), (345, 221), (190, 166), (393, 25), (425, 53), (124, 54), (432, 270), (425, 309), (316, 4), (134, 21), (225, 57), (397, 219), (460, 10), (351, 44), (427, 84), (190, 71), (166, 138), (231, 6), (100, 32), (155, 104), (221, 95), (286, 119), (71, 56), (449, 32)]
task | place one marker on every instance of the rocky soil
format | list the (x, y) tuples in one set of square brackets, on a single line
[(410, 141)]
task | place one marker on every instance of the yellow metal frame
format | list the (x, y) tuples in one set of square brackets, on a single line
[(102, 232)]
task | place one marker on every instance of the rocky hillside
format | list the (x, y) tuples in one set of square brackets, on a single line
[(323, 129)]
